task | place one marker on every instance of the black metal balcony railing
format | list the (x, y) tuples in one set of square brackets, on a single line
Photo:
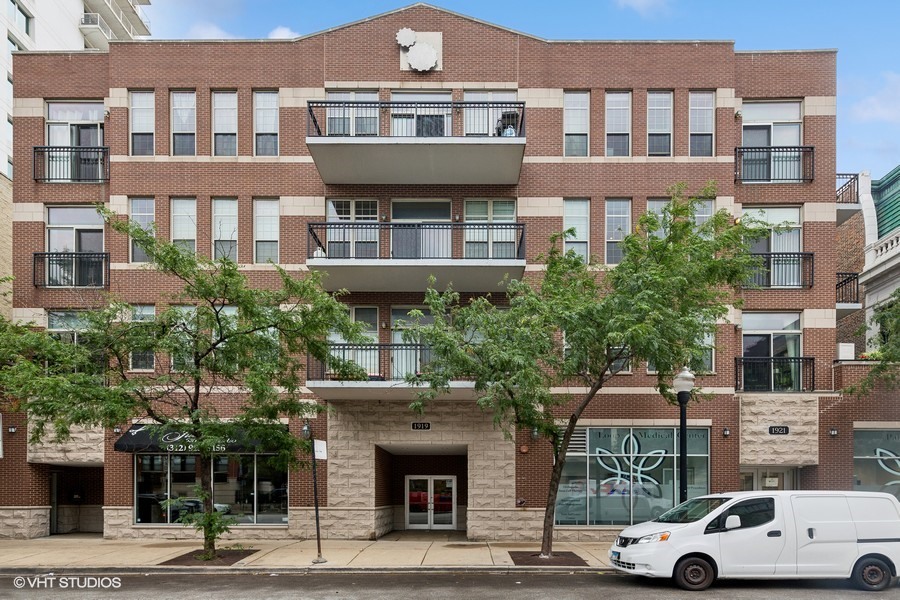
[(415, 119), (373, 240), (71, 163), (783, 270), (382, 362), (71, 269), (774, 374), (847, 288), (847, 188), (774, 164)]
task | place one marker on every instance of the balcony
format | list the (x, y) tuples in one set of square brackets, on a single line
[(847, 196), (788, 270), (71, 269), (774, 164), (417, 142), (384, 257), (125, 18), (67, 164), (95, 30), (774, 374), (387, 366), (847, 294)]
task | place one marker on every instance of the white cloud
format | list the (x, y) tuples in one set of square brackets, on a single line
[(645, 8), (881, 106), (207, 31), (282, 32)]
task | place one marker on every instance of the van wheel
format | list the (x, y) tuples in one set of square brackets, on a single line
[(694, 573), (871, 574)]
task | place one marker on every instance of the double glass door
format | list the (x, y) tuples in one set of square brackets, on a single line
[(430, 502), (767, 478)]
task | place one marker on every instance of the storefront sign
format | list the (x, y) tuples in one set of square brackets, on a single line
[(779, 430), (421, 426)]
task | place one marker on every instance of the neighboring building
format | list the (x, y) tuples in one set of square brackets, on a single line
[(382, 163)]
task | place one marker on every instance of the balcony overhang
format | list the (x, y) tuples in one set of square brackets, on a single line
[(335, 391), (845, 309), (846, 210), (412, 275), (418, 160)]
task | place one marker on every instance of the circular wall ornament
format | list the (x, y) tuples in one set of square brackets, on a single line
[(422, 57), (406, 37)]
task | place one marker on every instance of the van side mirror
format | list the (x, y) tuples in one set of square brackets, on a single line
[(732, 522)]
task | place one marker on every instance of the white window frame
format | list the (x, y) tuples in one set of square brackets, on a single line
[(191, 215), (659, 119), (694, 112), (220, 225), (490, 236), (258, 129), (352, 237), (149, 121), (404, 120), (569, 216), (614, 234), (577, 107), (267, 203), (189, 128), (224, 119), (489, 121), (140, 221), (610, 111), (353, 113), (140, 313)]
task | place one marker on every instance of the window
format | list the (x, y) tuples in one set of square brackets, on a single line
[(782, 264), (73, 125), (703, 211), (143, 214), (265, 123), (143, 121), (771, 352), (707, 360), (876, 460), (143, 359), (491, 116), (22, 19), (771, 136), (421, 114), (576, 123), (185, 329), (349, 113), (489, 229), (75, 255), (619, 365), (576, 214), (66, 325), (265, 230), (618, 225), (659, 123), (622, 475), (246, 487), (224, 106), (352, 229), (225, 224), (702, 122), (184, 123), (184, 223), (407, 358), (753, 512), (618, 123), (365, 355)]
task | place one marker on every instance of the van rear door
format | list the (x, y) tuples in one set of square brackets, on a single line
[(752, 549), (826, 535)]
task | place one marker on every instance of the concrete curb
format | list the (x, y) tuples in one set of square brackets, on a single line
[(311, 570)]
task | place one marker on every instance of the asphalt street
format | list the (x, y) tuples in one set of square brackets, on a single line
[(412, 586)]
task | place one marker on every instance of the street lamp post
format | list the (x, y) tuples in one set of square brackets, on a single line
[(683, 384), (307, 434)]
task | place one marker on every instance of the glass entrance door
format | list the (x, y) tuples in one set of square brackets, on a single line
[(430, 502), (767, 479)]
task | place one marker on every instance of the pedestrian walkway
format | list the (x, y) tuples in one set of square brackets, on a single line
[(398, 551)]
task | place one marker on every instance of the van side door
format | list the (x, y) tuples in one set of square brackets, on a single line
[(751, 550), (826, 535)]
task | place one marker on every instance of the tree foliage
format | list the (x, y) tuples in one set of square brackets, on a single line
[(217, 333), (885, 325), (579, 325)]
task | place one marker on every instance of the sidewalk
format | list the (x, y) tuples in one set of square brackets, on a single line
[(398, 552)]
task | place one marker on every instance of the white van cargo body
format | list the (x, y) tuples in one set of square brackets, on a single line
[(786, 535)]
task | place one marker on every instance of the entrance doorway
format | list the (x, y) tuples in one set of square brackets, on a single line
[(768, 478), (430, 502)]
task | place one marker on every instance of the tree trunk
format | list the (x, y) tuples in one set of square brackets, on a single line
[(209, 535), (559, 455)]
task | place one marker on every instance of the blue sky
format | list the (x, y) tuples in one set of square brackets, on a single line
[(865, 34)]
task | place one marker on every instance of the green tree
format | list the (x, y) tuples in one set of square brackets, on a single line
[(218, 330), (578, 325), (885, 347)]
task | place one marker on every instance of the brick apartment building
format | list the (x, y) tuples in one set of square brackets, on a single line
[(423, 142)]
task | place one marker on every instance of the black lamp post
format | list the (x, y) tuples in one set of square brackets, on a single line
[(683, 384), (307, 434)]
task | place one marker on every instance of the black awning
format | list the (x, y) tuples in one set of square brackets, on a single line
[(156, 438)]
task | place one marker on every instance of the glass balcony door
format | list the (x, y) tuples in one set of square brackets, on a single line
[(365, 355), (421, 115), (76, 235), (75, 125), (406, 358), (421, 229), (430, 502)]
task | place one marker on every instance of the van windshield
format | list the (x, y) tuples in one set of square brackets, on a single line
[(692, 510)]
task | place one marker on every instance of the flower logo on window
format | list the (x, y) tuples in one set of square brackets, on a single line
[(631, 469)]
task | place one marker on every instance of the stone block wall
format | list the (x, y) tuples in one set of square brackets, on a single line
[(71, 518), (24, 522), (84, 446), (799, 412)]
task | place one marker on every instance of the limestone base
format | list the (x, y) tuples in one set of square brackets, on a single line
[(24, 522), (71, 518)]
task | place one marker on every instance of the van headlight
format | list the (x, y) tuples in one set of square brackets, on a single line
[(654, 537)]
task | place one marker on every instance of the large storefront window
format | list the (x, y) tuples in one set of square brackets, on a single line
[(876, 460), (246, 488), (619, 476)]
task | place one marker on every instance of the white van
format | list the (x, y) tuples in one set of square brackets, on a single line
[(785, 535)]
